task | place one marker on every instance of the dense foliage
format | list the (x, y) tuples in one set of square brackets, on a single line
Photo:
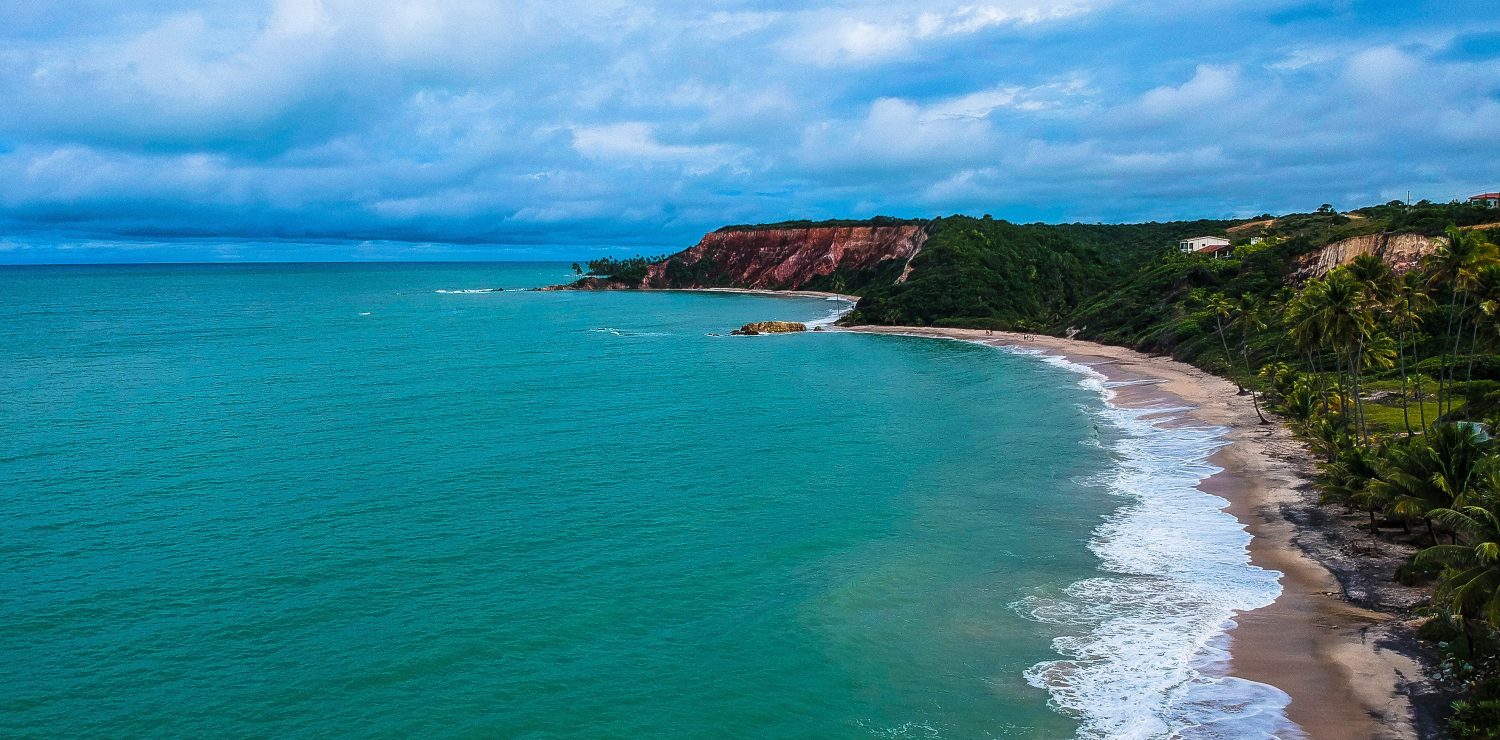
[(988, 273), (827, 223), (631, 270)]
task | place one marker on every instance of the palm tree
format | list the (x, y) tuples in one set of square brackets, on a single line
[(1282, 376), (1435, 471), (1375, 276), (1305, 316), (1469, 587), (1453, 267), (1301, 402), (1345, 321), (1346, 480), (1251, 319), (1407, 303), (1486, 293), (1222, 309)]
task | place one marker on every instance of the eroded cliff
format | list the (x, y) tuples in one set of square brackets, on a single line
[(1403, 252), (791, 258)]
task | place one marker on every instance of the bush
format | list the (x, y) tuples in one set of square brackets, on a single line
[(1476, 719)]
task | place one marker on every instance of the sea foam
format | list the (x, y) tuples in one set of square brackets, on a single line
[(833, 315), (1151, 654)]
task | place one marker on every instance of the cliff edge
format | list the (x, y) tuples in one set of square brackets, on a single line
[(825, 257)]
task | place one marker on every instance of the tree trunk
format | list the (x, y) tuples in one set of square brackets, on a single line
[(1228, 358), (1245, 356), (1458, 337), (1473, 344), (1443, 366), (1405, 408), (1359, 403)]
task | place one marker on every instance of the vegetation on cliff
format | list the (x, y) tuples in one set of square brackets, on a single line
[(984, 273), (629, 271), (826, 223)]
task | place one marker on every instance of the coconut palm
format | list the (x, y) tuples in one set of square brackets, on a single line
[(1407, 303), (1301, 402), (1304, 321), (1222, 311), (1435, 471), (1282, 377), (1453, 267), (1469, 587), (1346, 480), (1374, 276), (1342, 316), (1485, 291), (1251, 319)]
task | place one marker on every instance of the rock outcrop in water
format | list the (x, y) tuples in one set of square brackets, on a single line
[(769, 327), (1403, 252), (786, 259)]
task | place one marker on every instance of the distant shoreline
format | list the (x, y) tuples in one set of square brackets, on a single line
[(740, 291), (1347, 669)]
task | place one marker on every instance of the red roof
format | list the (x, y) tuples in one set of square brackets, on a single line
[(1485, 196), (1214, 249)]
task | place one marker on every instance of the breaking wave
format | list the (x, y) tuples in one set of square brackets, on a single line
[(1151, 652)]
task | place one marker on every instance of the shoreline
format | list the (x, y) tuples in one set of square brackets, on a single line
[(1351, 671), (768, 292)]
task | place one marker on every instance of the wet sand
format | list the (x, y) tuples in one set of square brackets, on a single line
[(1332, 657)]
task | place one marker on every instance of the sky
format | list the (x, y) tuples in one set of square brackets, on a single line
[(457, 129)]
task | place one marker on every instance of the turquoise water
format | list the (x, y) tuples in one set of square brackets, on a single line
[(333, 500)]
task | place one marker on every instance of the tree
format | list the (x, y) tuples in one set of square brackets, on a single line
[(1486, 293), (1347, 478), (1469, 588), (1250, 320), (1223, 310), (1435, 471), (1282, 377), (1408, 301), (576, 269), (1453, 267), (1340, 316)]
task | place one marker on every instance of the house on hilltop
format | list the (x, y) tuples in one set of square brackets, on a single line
[(1212, 245), (1488, 200)]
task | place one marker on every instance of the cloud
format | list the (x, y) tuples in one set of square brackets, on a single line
[(1210, 88), (883, 36), (636, 143), (611, 124)]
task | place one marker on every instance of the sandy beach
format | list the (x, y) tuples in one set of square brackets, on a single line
[(1348, 669)]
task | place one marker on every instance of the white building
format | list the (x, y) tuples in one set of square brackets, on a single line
[(1214, 245)]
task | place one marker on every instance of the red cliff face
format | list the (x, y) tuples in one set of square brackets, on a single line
[(783, 259)]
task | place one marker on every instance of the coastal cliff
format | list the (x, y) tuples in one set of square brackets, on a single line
[(1403, 252), (788, 259)]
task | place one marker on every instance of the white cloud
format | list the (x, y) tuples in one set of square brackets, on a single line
[(636, 143), (883, 36), (1210, 86)]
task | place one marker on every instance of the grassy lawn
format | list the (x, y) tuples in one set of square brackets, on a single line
[(1385, 417)]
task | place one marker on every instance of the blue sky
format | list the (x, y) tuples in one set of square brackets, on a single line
[(458, 129)]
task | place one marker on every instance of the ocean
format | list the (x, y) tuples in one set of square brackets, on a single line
[(418, 500)]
